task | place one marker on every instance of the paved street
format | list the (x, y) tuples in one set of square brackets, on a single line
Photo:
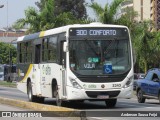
[(123, 105)]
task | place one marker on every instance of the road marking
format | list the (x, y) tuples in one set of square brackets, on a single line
[(127, 105), (139, 106), (97, 118)]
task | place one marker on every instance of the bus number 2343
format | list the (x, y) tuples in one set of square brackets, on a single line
[(116, 85)]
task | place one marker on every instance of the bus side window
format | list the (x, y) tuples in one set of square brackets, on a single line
[(62, 55), (45, 50), (52, 49), (37, 53)]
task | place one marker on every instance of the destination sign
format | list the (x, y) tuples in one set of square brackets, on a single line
[(98, 32)]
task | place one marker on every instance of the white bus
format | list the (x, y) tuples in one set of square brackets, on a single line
[(76, 63)]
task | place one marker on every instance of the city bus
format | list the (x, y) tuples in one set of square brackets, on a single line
[(76, 63)]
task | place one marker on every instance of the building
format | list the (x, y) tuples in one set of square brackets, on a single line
[(7, 35), (147, 10)]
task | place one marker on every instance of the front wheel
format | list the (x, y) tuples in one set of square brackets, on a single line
[(140, 97), (110, 103), (59, 101)]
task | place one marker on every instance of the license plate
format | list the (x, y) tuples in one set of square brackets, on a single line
[(103, 96)]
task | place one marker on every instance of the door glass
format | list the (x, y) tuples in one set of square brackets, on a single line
[(37, 54), (149, 76)]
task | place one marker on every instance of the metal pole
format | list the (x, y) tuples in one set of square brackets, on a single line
[(7, 14)]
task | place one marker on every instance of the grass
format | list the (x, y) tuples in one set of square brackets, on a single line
[(7, 84)]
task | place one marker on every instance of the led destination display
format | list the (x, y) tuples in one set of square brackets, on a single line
[(80, 32)]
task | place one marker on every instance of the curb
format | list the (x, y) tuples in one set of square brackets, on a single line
[(67, 112)]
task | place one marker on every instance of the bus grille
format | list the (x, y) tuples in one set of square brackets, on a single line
[(94, 94)]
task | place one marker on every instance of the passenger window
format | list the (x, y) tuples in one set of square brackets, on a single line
[(52, 49), (155, 76), (149, 76)]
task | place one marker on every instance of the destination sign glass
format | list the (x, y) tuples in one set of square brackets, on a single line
[(83, 32)]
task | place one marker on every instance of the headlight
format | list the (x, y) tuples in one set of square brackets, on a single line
[(75, 84), (129, 82)]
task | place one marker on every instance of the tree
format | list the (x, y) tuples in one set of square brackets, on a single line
[(32, 19), (45, 18), (5, 51), (143, 43), (155, 46), (128, 19), (107, 14), (75, 7)]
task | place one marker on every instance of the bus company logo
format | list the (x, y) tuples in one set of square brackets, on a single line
[(6, 114), (46, 70), (102, 86)]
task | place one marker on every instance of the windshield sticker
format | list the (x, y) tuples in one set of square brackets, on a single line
[(89, 65), (90, 60), (94, 60), (118, 68), (107, 68), (72, 65)]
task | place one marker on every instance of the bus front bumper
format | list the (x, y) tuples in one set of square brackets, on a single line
[(83, 94)]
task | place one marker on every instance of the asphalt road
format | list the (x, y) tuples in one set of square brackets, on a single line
[(94, 108)]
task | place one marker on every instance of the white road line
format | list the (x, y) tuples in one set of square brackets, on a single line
[(127, 105), (97, 118), (138, 106)]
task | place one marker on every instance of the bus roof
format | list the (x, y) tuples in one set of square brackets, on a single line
[(64, 29)]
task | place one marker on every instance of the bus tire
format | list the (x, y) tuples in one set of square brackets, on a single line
[(159, 96), (31, 97), (59, 102), (40, 99), (110, 103), (140, 97)]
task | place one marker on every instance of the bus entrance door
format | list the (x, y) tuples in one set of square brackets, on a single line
[(63, 76), (36, 69)]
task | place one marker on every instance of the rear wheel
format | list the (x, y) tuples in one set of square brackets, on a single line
[(110, 103), (159, 97), (31, 97), (140, 97)]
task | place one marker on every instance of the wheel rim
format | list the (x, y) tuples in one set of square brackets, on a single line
[(58, 101), (139, 95), (29, 93)]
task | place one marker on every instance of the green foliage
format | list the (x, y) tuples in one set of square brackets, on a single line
[(52, 14), (7, 84), (75, 7), (5, 51), (107, 14)]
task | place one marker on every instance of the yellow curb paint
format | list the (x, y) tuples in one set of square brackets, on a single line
[(39, 107)]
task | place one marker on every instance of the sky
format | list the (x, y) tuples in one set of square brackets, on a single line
[(14, 9)]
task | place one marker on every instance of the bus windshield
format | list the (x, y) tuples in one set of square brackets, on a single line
[(99, 57)]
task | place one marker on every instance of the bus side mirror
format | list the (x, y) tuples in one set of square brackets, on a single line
[(65, 47)]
